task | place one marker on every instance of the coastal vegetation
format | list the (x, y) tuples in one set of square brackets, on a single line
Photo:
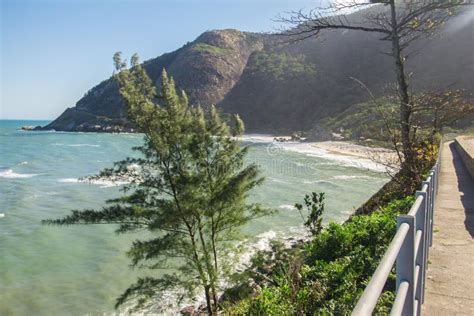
[(374, 123), (324, 275), (211, 49), (188, 190), (280, 66)]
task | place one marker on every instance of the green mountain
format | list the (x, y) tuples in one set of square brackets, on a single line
[(278, 87)]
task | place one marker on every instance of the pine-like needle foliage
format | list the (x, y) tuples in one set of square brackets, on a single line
[(188, 189)]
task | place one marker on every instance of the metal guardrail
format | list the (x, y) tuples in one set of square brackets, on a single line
[(409, 250)]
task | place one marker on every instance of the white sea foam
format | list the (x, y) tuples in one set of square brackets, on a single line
[(2, 215), (318, 181), (131, 174), (287, 207), (75, 145), (83, 145), (23, 163), (9, 174), (277, 180), (106, 183), (347, 177), (257, 138), (69, 180), (310, 150), (167, 304), (263, 242), (103, 183)]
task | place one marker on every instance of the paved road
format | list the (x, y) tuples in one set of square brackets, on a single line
[(450, 275)]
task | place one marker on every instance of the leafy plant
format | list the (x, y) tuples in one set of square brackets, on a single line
[(315, 207), (330, 274)]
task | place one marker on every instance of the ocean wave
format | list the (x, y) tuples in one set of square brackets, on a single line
[(308, 149), (69, 180), (75, 145), (103, 183), (37, 195), (23, 163), (131, 174), (318, 181), (256, 138), (9, 174), (83, 145), (287, 207), (262, 242), (2, 215), (347, 177), (336, 159), (277, 180), (106, 183), (239, 260)]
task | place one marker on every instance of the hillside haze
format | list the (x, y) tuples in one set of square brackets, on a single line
[(280, 88)]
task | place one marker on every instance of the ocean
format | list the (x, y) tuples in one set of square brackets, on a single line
[(80, 270)]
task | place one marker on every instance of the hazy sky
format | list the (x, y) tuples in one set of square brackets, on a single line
[(53, 51)]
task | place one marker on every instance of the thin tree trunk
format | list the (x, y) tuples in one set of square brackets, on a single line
[(405, 110), (214, 298), (208, 300), (211, 274), (214, 253)]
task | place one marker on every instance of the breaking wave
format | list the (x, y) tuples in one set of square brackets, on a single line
[(75, 145), (10, 174)]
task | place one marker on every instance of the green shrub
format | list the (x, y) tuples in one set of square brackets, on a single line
[(329, 276)]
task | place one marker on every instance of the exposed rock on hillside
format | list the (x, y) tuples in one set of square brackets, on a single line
[(206, 69), (283, 88)]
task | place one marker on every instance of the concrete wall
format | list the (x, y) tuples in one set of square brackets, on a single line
[(465, 147)]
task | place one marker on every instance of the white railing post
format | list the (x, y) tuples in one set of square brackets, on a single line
[(405, 264), (421, 256), (432, 200), (428, 212)]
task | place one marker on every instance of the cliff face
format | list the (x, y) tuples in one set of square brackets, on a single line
[(206, 69), (210, 66), (281, 88)]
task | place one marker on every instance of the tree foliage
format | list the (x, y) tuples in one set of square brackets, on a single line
[(187, 189)]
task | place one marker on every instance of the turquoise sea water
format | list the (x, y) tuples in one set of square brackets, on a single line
[(82, 269)]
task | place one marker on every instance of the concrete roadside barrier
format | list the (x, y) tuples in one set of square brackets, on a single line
[(465, 148)]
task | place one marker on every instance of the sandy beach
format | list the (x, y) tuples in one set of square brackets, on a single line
[(377, 154), (346, 153)]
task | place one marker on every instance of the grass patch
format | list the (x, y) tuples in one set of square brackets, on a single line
[(210, 49)]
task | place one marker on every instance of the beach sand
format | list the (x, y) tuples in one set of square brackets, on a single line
[(377, 154), (346, 153)]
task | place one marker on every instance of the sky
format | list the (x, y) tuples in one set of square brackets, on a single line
[(53, 51)]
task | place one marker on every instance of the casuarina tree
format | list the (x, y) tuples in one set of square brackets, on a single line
[(187, 189)]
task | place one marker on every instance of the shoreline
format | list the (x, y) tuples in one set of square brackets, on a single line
[(346, 153)]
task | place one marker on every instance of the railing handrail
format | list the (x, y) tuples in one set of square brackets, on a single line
[(373, 290), (409, 250)]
